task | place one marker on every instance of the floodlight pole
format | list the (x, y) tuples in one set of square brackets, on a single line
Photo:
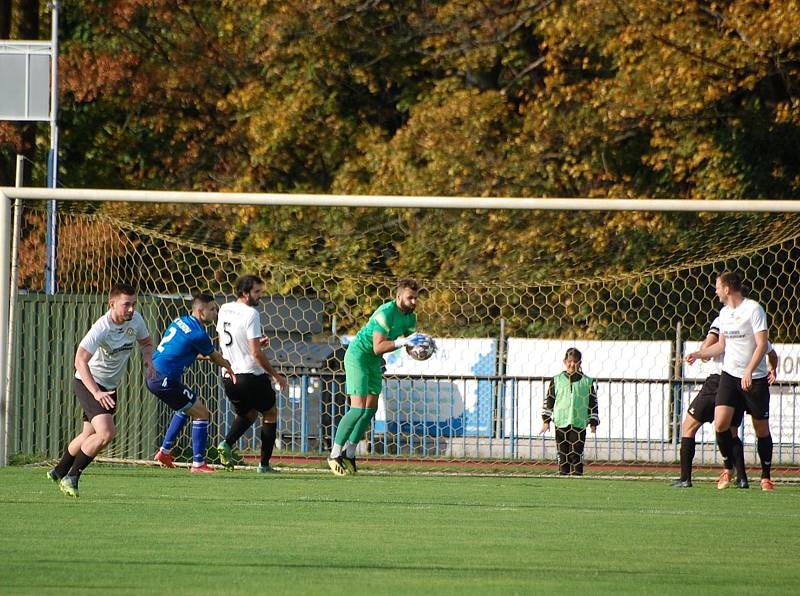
[(52, 159)]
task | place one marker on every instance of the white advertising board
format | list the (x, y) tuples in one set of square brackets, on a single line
[(784, 401), (627, 409), (450, 407)]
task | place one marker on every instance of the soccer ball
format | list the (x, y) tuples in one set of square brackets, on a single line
[(423, 349)]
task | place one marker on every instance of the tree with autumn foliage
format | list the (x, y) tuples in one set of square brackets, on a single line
[(581, 98)]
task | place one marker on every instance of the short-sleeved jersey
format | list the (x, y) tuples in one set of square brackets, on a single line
[(738, 326), (388, 320), (714, 366), (183, 340), (238, 323), (110, 346)]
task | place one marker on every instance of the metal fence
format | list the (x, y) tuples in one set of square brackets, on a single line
[(421, 416)]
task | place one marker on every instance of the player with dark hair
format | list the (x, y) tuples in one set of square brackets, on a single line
[(571, 403), (184, 340), (241, 340), (744, 383), (100, 362), (391, 326), (701, 410)]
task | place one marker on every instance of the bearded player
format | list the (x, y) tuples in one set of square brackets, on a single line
[(391, 326)]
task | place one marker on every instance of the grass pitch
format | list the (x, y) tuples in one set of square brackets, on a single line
[(151, 531)]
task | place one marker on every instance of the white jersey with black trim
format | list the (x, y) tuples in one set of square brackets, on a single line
[(110, 346), (739, 326), (238, 323)]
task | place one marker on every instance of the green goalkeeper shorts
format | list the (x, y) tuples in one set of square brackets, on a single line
[(362, 373)]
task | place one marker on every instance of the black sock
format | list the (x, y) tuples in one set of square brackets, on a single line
[(238, 428), (737, 452), (687, 457), (79, 465), (765, 454), (269, 430), (65, 463), (578, 469), (725, 446)]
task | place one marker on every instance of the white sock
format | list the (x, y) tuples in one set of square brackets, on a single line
[(336, 451), (350, 449), (167, 451)]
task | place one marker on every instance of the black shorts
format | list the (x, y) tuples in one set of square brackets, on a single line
[(755, 402), (91, 407), (172, 392), (251, 392), (702, 406)]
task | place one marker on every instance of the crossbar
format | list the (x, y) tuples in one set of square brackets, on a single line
[(385, 201)]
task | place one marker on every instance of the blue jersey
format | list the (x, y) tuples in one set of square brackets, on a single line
[(183, 340)]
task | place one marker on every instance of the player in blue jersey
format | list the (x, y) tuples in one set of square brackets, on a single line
[(184, 340)]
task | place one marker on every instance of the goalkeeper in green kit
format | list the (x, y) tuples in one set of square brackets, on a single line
[(391, 326)]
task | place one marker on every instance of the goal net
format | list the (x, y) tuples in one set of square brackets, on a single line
[(505, 293)]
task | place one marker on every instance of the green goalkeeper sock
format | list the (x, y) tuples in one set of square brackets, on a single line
[(346, 425), (362, 425)]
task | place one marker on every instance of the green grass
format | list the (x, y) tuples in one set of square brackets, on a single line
[(153, 531)]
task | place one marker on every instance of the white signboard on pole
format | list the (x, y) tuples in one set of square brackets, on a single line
[(25, 80)]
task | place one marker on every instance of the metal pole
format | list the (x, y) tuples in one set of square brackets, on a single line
[(500, 392), (51, 274), (677, 386)]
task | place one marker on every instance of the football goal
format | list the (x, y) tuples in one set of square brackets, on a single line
[(508, 286)]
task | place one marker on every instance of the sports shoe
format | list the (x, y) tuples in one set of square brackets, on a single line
[(349, 464), (69, 486), (682, 484), (767, 484), (225, 455), (724, 480), (268, 469), (53, 475), (742, 483), (336, 466), (164, 458), (203, 469)]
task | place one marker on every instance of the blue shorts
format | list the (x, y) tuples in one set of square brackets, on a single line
[(172, 392)]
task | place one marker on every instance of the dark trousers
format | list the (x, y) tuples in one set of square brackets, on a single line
[(570, 442)]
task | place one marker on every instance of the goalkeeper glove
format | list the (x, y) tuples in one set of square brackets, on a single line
[(412, 340)]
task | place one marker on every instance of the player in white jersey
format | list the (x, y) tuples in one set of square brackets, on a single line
[(100, 363), (744, 382), (701, 410), (241, 341)]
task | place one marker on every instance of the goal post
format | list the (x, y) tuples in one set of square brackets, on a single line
[(509, 284), (5, 301)]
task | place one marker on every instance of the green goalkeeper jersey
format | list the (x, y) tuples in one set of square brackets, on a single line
[(388, 320)]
